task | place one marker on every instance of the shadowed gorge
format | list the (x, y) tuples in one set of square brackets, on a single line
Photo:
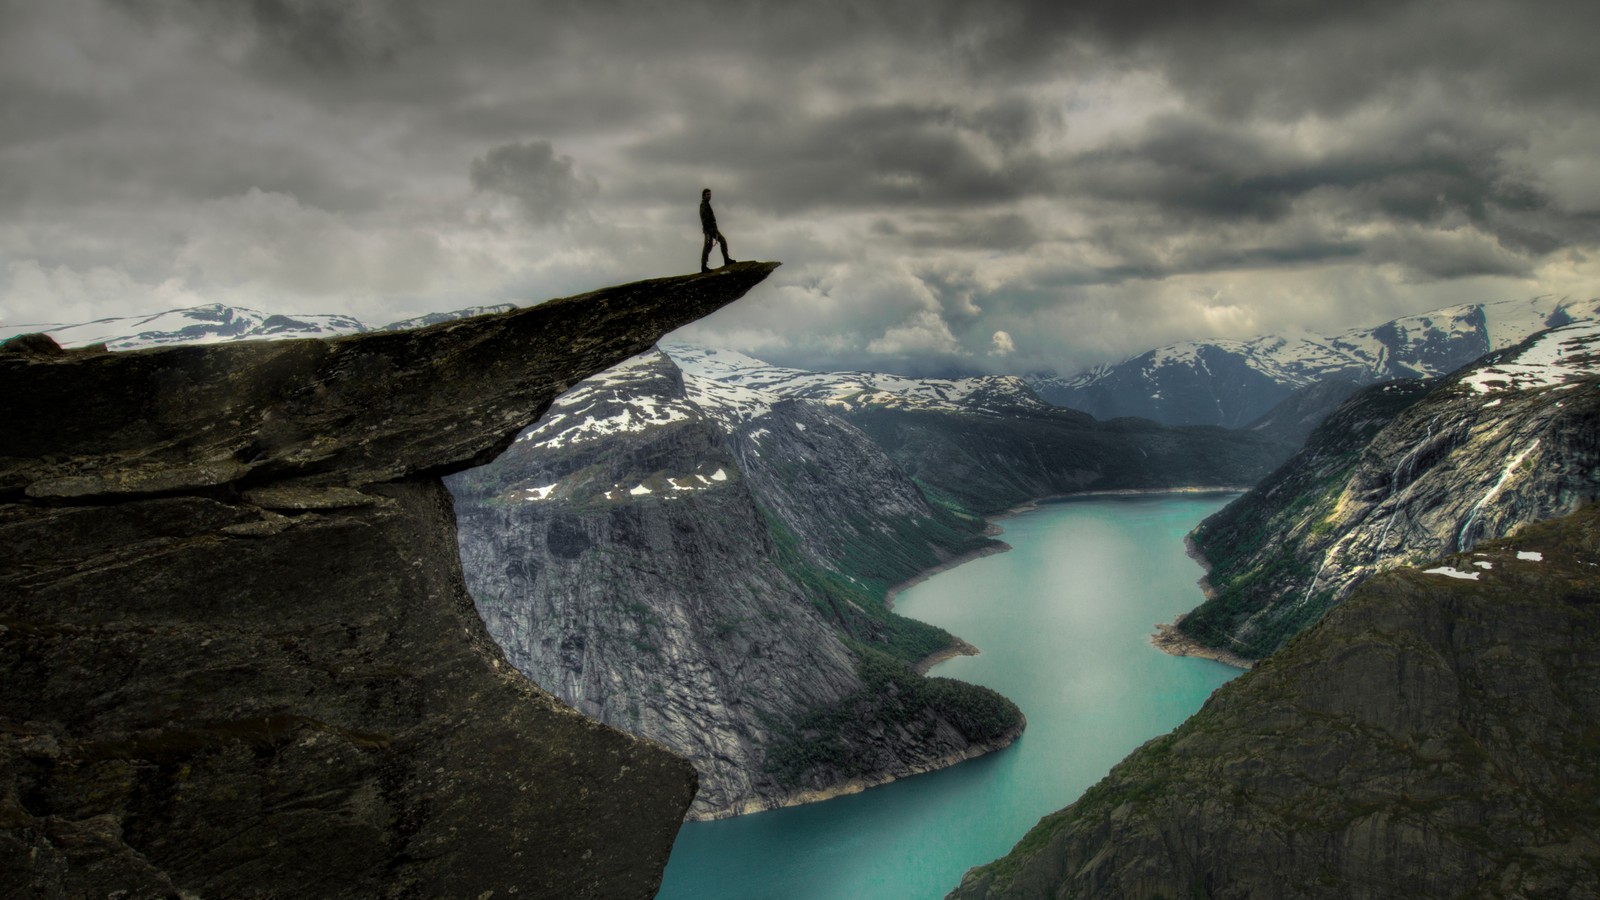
[(238, 653)]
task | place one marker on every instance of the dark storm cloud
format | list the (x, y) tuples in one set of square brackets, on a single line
[(1188, 172), (931, 171), (867, 156), (30, 114), (543, 184), (331, 36), (337, 33), (1205, 169), (1001, 231)]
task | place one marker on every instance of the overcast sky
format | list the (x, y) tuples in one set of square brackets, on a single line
[(997, 186)]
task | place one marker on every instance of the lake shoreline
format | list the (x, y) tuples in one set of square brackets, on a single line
[(947, 565), (862, 783), (1168, 639)]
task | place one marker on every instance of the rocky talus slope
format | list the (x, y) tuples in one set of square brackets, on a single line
[(668, 556), (238, 655), (1434, 736), (1403, 473)]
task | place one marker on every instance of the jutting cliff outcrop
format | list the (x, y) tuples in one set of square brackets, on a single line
[(238, 655)]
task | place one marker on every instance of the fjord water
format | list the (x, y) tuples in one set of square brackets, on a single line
[(1063, 621)]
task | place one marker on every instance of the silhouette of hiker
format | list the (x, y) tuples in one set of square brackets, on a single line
[(708, 224)]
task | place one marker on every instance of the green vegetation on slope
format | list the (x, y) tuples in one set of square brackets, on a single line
[(847, 739), (855, 603)]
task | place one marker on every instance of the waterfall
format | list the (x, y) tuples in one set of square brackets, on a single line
[(1505, 475)]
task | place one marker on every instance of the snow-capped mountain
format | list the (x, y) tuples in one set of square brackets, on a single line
[(216, 323), (1231, 383), (987, 442), (735, 373)]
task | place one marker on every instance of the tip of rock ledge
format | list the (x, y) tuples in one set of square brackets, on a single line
[(743, 265)]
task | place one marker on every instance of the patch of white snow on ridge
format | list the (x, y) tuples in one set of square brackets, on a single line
[(539, 493), (632, 396), (1547, 362), (639, 490), (1483, 564), (846, 390), (1452, 573), (719, 475), (732, 403), (1531, 555)]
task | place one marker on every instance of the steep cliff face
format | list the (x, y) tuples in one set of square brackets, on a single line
[(238, 655), (667, 558), (1434, 736), (1404, 473)]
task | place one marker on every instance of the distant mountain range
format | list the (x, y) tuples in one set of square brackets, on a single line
[(734, 372), (1232, 383), (989, 443), (217, 323)]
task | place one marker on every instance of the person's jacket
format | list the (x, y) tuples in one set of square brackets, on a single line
[(708, 219)]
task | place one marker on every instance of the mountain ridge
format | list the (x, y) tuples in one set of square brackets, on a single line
[(220, 323), (1233, 382)]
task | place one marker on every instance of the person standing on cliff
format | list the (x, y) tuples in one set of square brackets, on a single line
[(708, 224)]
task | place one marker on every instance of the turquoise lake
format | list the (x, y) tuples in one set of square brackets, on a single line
[(1063, 621)]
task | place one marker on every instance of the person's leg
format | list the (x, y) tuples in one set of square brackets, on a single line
[(726, 259), (705, 252)]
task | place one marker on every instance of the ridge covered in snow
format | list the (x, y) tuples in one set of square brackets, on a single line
[(733, 379), (1232, 382), (217, 323), (1398, 348), (623, 399), (1552, 359)]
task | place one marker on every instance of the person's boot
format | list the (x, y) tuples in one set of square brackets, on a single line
[(728, 262), (704, 270)]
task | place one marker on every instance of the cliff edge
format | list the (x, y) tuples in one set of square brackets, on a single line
[(238, 655)]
